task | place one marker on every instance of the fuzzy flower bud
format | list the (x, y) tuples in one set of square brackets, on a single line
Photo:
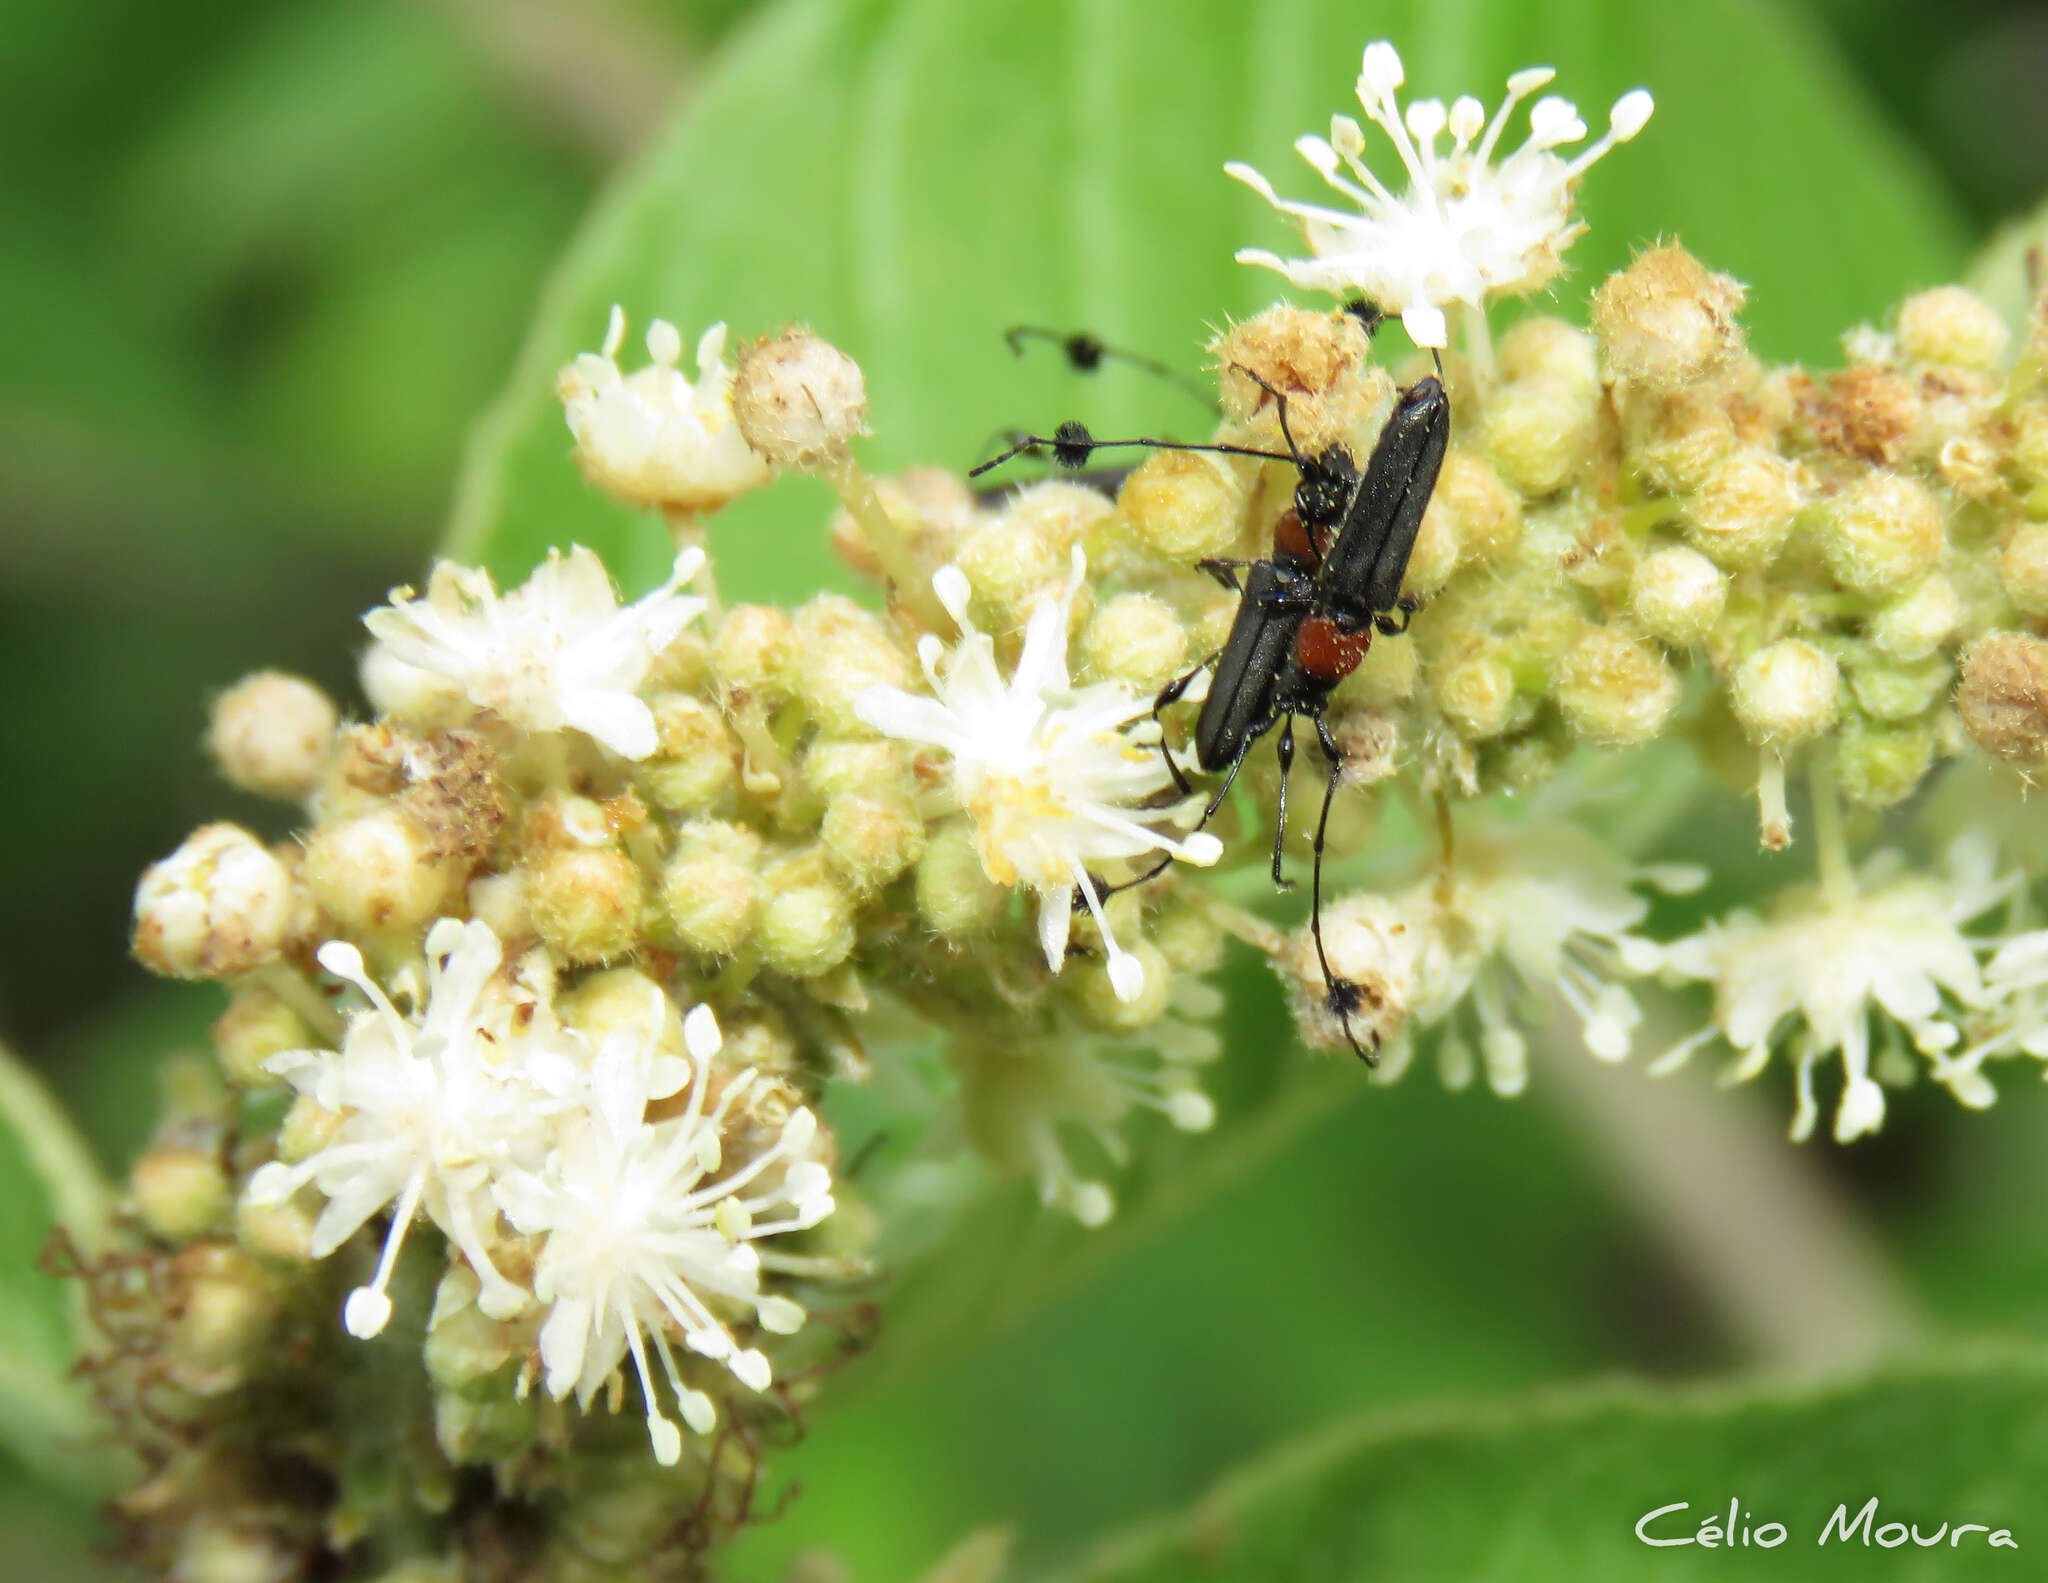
[(1543, 346), (1743, 515), (1667, 319), (256, 1026), (858, 769), (585, 903), (1095, 995), (218, 906), (1919, 621), (2030, 448), (842, 650), (756, 650), (180, 1192), (226, 1306), (1614, 689), (1477, 695), (271, 734), (1010, 566), (2003, 696), (799, 400), (1183, 505), (954, 893), (1784, 694), (2023, 569), (1677, 594), (1883, 532), (1137, 639), (1879, 765), (697, 764), (1539, 433), (870, 840), (1898, 690), (1954, 327), (1474, 510), (378, 871), (1320, 361), (806, 930)]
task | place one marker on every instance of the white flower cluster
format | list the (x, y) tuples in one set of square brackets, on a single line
[(1466, 228), (482, 1111)]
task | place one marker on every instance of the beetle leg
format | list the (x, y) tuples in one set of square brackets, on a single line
[(1168, 695), (1280, 880), (1224, 571), (1208, 813), (1344, 997), (1407, 605)]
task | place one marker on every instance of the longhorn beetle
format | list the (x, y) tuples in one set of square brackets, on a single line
[(1307, 614)]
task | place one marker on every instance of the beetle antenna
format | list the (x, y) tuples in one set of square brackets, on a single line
[(1280, 402), (1086, 353), (1072, 445)]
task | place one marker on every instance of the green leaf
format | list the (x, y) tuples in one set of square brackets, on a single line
[(47, 1177), (912, 177), (1553, 1486)]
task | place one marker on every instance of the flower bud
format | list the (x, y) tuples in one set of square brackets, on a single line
[(1540, 433), (1677, 594), (756, 650), (1373, 943), (954, 893), (1481, 517), (1477, 695), (1183, 505), (806, 930), (1320, 361), (378, 871), (1675, 442), (2030, 448), (180, 1193), (1784, 693), (2023, 569), (1882, 533), (799, 399), (465, 1346), (850, 769), (1135, 639), (216, 1549), (1384, 678), (282, 1233), (271, 734), (1869, 414), (1743, 515), (1543, 346), (622, 1001), (1667, 319), (1973, 465), (477, 1431), (1010, 566), (842, 650), (1880, 765), (1057, 511), (1614, 689), (696, 766), (1094, 996), (2003, 696), (1952, 326), (1898, 689), (1919, 621), (585, 904), (218, 906), (227, 1304), (256, 1026), (870, 840), (1189, 939)]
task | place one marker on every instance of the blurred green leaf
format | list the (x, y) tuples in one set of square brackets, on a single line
[(1553, 1486), (911, 176), (47, 1177)]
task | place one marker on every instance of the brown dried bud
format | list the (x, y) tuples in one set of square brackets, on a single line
[(2003, 696)]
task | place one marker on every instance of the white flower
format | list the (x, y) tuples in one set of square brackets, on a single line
[(650, 437), (649, 1231), (1051, 774), (556, 652), (429, 1108), (1466, 228), (1018, 1101), (1523, 910), (1810, 978)]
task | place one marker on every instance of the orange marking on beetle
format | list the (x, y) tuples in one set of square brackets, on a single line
[(1327, 652), (1291, 541)]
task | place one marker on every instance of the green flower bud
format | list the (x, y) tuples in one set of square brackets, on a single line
[(2003, 696), (806, 929), (1880, 765), (1183, 505), (465, 1347), (1527, 760), (1057, 512), (1540, 433), (585, 904), (377, 871), (1883, 533), (1676, 441), (1898, 690), (2023, 569), (755, 651), (281, 1233), (220, 905), (478, 1430), (954, 893), (1476, 515), (1543, 346), (1011, 566), (1095, 999), (1784, 694), (799, 400), (622, 1000), (1614, 689), (1919, 621), (709, 900), (180, 1193), (272, 734), (842, 650), (1477, 695), (870, 840), (1952, 326), (1667, 320), (697, 765), (217, 1549), (1385, 677), (256, 1026), (1744, 514), (226, 1305), (1136, 639), (854, 769), (2030, 448), (1677, 594), (1189, 939)]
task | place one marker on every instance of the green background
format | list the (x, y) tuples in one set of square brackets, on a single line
[(262, 266)]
